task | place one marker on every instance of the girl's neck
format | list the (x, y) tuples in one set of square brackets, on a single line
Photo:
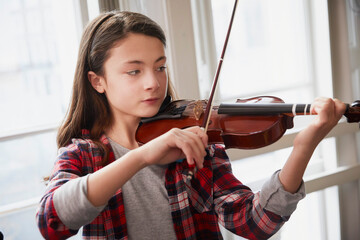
[(123, 134)]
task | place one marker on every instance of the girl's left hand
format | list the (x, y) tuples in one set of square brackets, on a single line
[(328, 111)]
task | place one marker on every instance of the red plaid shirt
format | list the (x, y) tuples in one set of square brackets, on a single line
[(213, 196)]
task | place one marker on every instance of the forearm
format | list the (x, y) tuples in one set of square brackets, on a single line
[(104, 183), (292, 173), (48, 220), (78, 211)]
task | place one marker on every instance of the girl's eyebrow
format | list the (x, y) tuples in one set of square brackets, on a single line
[(160, 58), (141, 62)]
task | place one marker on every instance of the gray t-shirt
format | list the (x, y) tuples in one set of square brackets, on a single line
[(146, 202)]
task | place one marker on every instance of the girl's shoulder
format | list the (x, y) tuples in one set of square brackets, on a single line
[(85, 141), (83, 153), (84, 145)]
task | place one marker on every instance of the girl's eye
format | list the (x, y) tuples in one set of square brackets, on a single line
[(133, 72), (161, 69)]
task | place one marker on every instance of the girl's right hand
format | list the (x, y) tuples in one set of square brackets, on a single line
[(189, 143)]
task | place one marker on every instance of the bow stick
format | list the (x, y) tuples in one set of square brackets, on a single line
[(209, 104)]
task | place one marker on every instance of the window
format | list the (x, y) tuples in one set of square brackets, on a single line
[(39, 44)]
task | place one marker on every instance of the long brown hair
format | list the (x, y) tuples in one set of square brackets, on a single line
[(88, 108)]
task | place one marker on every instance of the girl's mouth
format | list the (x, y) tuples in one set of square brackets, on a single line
[(151, 100)]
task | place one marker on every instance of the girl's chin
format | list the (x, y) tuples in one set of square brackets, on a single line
[(149, 114)]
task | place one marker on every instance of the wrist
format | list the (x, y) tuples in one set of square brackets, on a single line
[(139, 158), (310, 137)]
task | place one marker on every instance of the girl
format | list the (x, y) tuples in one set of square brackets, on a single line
[(114, 188)]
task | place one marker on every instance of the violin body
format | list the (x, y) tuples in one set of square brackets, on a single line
[(234, 131)]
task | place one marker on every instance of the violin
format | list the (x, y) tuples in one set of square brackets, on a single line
[(247, 124)]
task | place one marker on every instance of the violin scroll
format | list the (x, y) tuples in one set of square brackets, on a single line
[(353, 112)]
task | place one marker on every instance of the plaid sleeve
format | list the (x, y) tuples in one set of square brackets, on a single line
[(67, 167), (238, 208)]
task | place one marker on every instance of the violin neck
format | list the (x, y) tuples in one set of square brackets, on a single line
[(264, 109), (352, 112)]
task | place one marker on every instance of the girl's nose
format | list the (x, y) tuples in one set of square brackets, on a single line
[(151, 81)]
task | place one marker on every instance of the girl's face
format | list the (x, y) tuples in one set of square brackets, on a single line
[(135, 79)]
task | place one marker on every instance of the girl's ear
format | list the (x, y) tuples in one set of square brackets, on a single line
[(96, 82)]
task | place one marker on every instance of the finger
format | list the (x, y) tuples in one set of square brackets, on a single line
[(191, 146), (325, 106), (329, 110), (196, 147), (340, 107), (201, 133), (314, 106), (200, 139), (199, 153), (317, 105)]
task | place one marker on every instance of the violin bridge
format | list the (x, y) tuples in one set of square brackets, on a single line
[(198, 109)]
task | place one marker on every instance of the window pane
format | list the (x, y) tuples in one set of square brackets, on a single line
[(38, 47), (253, 171), (325, 224), (24, 163), (20, 225), (267, 50), (353, 15)]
